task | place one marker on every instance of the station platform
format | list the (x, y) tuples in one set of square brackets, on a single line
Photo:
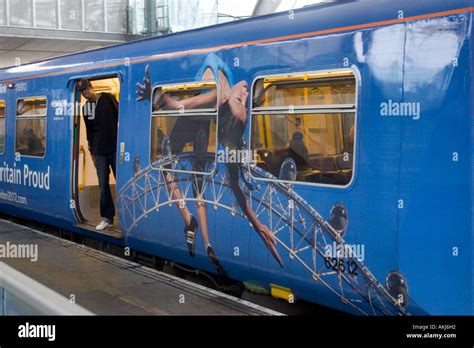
[(107, 285)]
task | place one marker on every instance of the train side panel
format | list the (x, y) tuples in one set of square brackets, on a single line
[(41, 185), (434, 224)]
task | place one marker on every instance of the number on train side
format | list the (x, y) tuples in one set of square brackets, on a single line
[(341, 265)]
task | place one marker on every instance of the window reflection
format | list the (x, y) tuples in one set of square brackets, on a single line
[(31, 127), (306, 124)]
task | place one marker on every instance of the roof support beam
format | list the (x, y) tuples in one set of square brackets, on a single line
[(38, 33), (264, 7)]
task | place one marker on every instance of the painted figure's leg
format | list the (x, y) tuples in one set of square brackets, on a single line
[(266, 235)]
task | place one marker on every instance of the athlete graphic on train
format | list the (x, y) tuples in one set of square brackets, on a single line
[(231, 101)]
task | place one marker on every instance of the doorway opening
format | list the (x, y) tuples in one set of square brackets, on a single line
[(86, 182)]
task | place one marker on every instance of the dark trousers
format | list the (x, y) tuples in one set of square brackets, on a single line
[(103, 163)]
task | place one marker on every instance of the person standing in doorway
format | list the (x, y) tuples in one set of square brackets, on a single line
[(101, 120)]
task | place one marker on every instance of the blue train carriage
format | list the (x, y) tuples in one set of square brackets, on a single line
[(321, 154)]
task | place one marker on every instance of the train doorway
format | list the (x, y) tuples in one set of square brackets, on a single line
[(85, 179)]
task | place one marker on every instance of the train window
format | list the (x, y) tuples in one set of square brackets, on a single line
[(303, 126), (2, 126), (31, 127), (183, 125)]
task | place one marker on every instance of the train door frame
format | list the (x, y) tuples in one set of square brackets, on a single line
[(75, 98)]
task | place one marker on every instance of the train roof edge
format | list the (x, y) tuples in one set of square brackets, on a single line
[(340, 13)]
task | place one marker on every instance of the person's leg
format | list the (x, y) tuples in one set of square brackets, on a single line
[(112, 158), (266, 235), (191, 103), (176, 195), (106, 202), (179, 136), (202, 215), (112, 162), (201, 142), (168, 103)]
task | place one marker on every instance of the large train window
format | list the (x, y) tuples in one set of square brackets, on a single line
[(183, 127), (303, 126), (31, 127), (2, 126)]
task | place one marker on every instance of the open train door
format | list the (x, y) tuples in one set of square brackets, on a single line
[(85, 184)]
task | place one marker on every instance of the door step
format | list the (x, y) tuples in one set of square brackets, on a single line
[(111, 231)]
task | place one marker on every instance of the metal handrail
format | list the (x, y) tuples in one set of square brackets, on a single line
[(43, 299), (82, 185)]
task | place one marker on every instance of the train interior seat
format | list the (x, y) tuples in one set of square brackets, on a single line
[(317, 168)]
